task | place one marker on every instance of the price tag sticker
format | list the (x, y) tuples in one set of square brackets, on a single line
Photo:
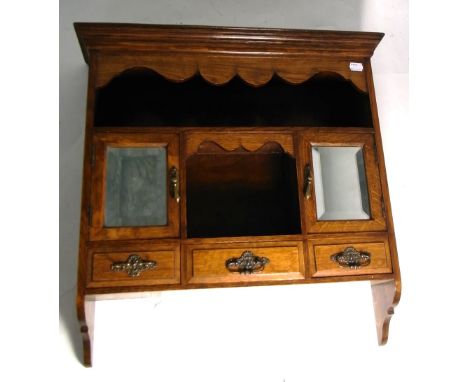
[(356, 66)]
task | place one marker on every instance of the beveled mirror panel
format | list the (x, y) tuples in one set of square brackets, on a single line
[(136, 187), (340, 183)]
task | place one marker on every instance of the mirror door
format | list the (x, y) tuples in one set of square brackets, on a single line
[(341, 182), (135, 192)]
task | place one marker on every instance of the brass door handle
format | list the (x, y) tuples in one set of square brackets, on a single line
[(351, 258), (307, 182), (133, 266), (247, 263), (174, 178)]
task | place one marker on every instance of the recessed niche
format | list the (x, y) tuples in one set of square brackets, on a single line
[(241, 193), (142, 97)]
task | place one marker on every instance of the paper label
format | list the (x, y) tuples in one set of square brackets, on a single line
[(356, 66)]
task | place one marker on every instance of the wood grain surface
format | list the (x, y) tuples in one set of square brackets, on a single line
[(166, 271), (207, 264), (379, 263)]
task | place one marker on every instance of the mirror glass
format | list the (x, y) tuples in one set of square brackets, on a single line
[(136, 187), (340, 183)]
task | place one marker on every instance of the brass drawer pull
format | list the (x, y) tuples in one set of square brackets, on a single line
[(133, 266), (174, 177), (247, 263), (307, 182), (351, 258)]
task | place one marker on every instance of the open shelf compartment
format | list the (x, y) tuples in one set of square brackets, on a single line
[(241, 193), (142, 97)]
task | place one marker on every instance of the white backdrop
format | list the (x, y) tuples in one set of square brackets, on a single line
[(281, 333)]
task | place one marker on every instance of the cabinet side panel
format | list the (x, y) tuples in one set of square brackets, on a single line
[(384, 183), (84, 313)]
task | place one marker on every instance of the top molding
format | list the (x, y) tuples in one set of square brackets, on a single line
[(145, 38)]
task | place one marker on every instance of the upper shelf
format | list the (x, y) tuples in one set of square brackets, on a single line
[(141, 97), (149, 75)]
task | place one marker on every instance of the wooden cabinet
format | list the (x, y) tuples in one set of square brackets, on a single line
[(219, 157)]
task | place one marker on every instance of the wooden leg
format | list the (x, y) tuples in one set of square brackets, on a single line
[(386, 295), (85, 311)]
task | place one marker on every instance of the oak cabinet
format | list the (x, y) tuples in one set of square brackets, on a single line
[(221, 157)]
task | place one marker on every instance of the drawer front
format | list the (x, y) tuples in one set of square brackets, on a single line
[(160, 265), (350, 258), (244, 262)]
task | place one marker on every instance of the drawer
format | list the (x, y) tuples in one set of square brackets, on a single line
[(244, 262), (350, 258), (151, 266)]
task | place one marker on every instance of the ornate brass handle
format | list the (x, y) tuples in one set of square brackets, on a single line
[(247, 263), (174, 177), (307, 182), (133, 266), (351, 258)]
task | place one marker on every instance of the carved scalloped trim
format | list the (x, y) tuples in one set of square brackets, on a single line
[(212, 147), (220, 70), (230, 142)]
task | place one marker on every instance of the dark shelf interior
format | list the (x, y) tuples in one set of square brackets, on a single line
[(141, 97), (242, 194)]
